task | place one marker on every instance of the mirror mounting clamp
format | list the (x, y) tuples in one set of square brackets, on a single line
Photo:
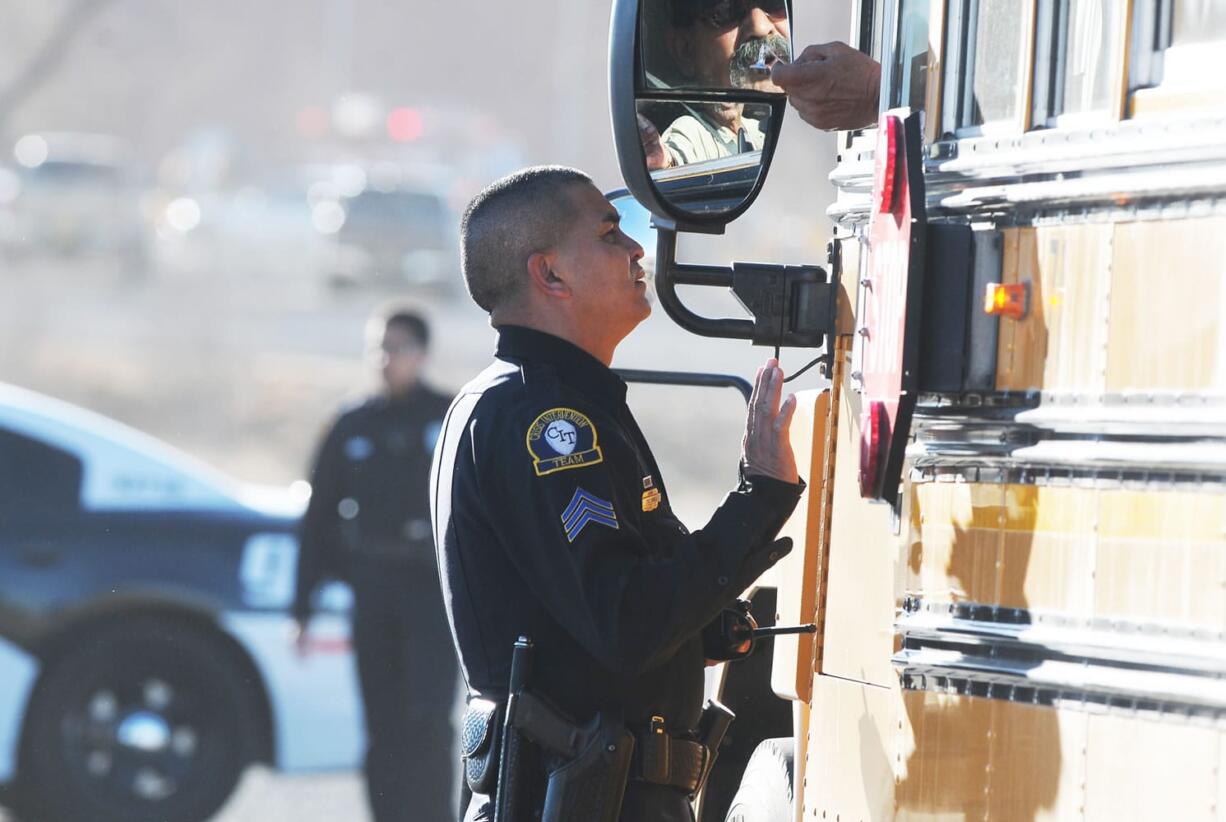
[(791, 306)]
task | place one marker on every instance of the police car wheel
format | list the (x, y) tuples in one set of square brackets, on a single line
[(765, 794), (142, 720)]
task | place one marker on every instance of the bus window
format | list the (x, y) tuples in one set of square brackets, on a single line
[(998, 63), (1179, 55), (1198, 34), (1077, 79), (909, 69), (989, 75)]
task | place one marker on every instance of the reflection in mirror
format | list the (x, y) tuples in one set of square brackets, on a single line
[(682, 133), (636, 222), (713, 45), (710, 187)]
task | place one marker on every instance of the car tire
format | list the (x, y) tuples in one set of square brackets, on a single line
[(145, 720), (765, 794)]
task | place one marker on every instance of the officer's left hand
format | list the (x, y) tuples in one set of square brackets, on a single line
[(766, 450), (729, 637)]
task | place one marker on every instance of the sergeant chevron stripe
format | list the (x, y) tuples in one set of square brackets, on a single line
[(585, 507)]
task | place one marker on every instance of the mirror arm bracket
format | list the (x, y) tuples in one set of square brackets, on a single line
[(791, 306)]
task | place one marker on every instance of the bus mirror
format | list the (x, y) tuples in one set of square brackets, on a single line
[(695, 115)]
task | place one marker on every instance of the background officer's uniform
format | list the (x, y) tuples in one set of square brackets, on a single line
[(368, 524), (552, 520)]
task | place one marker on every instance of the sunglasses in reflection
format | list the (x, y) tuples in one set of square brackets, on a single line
[(724, 14)]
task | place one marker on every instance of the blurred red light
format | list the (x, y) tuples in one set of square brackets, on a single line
[(404, 124)]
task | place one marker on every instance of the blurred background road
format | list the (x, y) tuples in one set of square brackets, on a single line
[(201, 204)]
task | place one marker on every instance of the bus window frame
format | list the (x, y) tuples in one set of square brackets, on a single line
[(1051, 58), (888, 78), (1149, 92), (961, 19), (868, 17)]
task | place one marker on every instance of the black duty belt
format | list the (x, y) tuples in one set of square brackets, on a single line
[(661, 758)]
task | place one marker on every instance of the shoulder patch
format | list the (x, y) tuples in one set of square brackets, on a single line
[(562, 438), (585, 508)]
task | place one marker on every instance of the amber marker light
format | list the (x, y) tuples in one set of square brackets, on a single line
[(1010, 300)]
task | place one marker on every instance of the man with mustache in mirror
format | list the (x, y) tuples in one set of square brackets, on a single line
[(718, 44)]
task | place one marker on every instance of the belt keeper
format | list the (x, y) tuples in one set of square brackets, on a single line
[(657, 756)]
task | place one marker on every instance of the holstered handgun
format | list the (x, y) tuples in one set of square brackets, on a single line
[(591, 785), (590, 782)]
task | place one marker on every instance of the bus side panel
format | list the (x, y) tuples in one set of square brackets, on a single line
[(798, 574), (1162, 558), (1060, 346), (1168, 332), (1139, 769), (851, 751), (860, 595), (1116, 308), (975, 758), (1153, 556)]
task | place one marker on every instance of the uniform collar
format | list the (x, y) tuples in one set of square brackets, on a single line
[(574, 365)]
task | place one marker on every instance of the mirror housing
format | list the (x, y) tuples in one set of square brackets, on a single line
[(703, 194)]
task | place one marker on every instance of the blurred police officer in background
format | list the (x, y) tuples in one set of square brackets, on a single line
[(368, 524)]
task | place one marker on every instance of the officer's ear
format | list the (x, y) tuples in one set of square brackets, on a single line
[(543, 278)]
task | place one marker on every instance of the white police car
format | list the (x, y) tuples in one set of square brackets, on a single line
[(145, 652)]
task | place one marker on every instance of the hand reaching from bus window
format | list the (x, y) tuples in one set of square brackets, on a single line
[(653, 148), (832, 86), (766, 450)]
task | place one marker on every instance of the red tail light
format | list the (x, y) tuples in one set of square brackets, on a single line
[(885, 171), (873, 442)]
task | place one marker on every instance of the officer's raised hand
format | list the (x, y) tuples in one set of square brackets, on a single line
[(766, 450)]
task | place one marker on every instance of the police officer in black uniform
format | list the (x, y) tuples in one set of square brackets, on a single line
[(552, 519), (368, 524)]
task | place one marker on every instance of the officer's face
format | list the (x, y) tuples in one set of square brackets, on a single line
[(401, 358), (608, 289)]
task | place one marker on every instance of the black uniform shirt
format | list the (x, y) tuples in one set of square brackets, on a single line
[(369, 490), (552, 520)]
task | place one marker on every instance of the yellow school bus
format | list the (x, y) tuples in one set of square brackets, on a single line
[(1014, 534)]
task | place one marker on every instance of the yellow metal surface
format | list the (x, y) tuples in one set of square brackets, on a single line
[(1161, 102), (972, 758), (1143, 770), (1168, 296), (851, 751), (858, 631), (1047, 549), (955, 540), (797, 573), (1061, 344), (1162, 557), (1156, 555), (1022, 344), (1100, 318)]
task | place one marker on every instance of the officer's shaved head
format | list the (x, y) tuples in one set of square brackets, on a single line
[(512, 219)]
